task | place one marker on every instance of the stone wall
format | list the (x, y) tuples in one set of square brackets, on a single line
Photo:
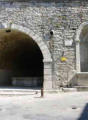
[(63, 17)]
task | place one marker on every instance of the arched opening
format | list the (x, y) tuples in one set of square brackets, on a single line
[(84, 49), (21, 60)]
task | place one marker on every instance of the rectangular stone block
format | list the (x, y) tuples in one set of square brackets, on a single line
[(47, 65), (47, 71), (47, 85), (27, 81), (47, 78)]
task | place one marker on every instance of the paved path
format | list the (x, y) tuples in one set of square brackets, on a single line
[(61, 106)]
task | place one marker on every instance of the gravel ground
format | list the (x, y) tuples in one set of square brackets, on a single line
[(61, 106)]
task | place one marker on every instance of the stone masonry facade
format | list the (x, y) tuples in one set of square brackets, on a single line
[(62, 17)]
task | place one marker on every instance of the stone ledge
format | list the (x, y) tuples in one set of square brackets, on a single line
[(81, 88), (14, 0), (69, 89), (27, 0)]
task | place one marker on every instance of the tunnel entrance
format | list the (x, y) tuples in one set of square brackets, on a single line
[(21, 60)]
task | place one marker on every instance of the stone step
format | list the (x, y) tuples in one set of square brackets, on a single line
[(18, 92), (81, 88), (82, 79), (13, 92), (69, 89)]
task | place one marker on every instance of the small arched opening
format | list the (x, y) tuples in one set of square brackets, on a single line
[(21, 60)]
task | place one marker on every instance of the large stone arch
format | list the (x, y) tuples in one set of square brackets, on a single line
[(77, 40), (44, 49)]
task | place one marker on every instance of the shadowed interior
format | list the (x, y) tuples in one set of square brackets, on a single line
[(84, 49), (20, 56)]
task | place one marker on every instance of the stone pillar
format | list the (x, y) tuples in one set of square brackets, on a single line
[(47, 84), (78, 56)]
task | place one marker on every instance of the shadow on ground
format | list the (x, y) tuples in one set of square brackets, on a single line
[(84, 114)]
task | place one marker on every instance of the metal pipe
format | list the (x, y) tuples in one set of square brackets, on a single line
[(42, 92)]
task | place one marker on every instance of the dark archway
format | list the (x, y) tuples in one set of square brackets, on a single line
[(21, 60), (84, 49)]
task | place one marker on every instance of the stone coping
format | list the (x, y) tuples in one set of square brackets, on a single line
[(82, 73), (15, 0), (29, 1)]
